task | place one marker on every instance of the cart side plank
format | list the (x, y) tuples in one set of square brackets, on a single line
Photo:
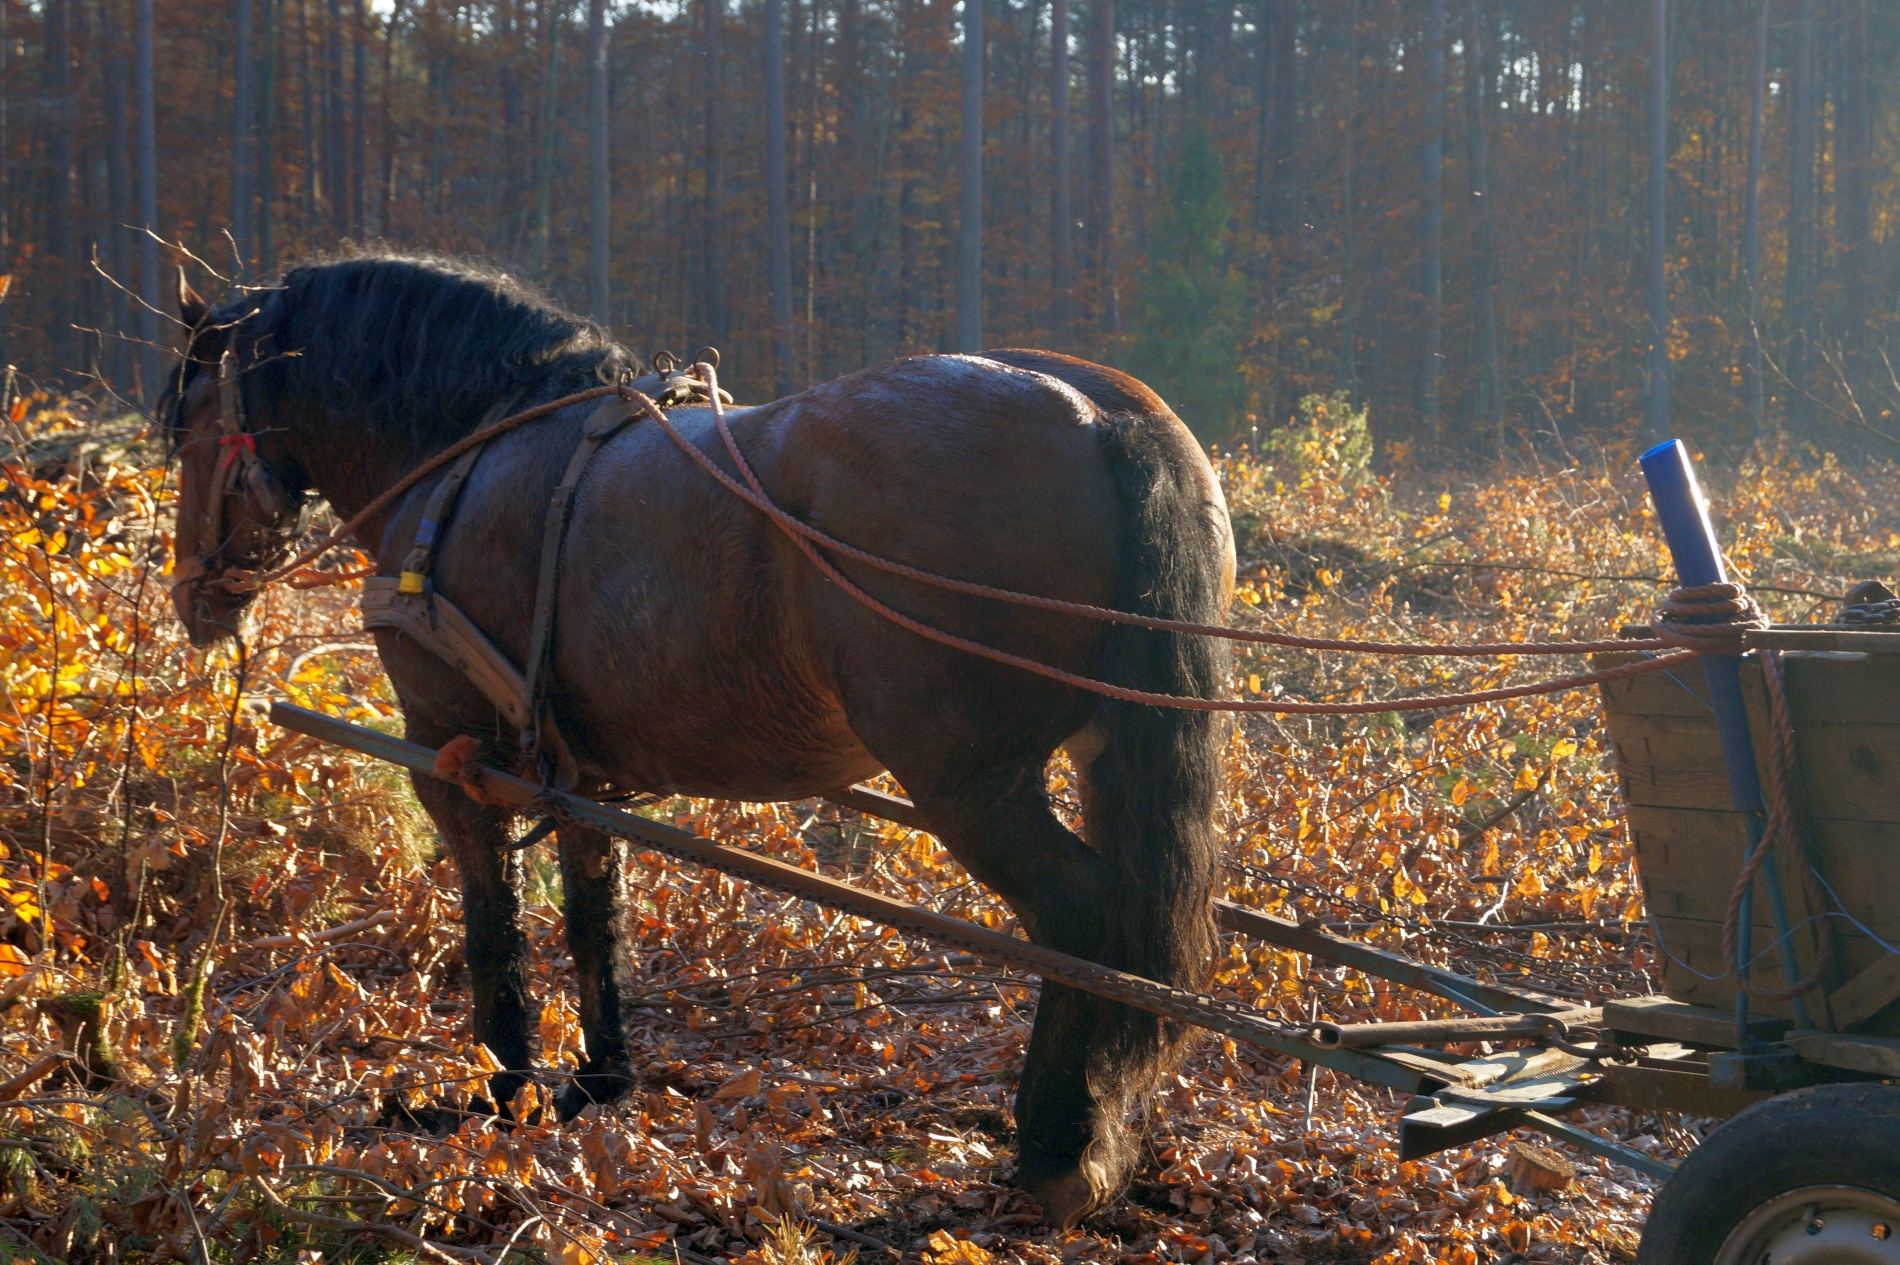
[(1689, 842), (1689, 859), (1693, 950), (1822, 687)]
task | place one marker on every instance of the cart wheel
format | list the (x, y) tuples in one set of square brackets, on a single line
[(1809, 1178)]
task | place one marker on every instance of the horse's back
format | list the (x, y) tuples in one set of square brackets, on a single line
[(721, 660)]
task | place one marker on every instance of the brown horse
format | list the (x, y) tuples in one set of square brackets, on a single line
[(697, 652)]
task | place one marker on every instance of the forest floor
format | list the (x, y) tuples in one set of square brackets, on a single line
[(802, 1072)]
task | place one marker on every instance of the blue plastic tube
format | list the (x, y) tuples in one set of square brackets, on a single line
[(1683, 514)]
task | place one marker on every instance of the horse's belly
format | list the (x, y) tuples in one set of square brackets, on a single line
[(760, 745)]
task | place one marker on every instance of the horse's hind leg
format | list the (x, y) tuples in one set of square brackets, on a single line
[(591, 882), (1074, 1146), (491, 905)]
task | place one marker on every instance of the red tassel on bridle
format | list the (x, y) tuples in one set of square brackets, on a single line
[(231, 445)]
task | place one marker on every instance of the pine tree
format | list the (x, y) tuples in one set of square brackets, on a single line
[(1191, 299)]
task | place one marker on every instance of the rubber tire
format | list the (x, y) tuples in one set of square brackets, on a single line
[(1847, 1134)]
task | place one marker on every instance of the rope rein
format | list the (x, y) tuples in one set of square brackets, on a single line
[(809, 539), (238, 582), (1694, 621)]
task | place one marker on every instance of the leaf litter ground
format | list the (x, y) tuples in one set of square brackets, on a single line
[(236, 1025)]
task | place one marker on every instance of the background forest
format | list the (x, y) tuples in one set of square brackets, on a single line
[(1509, 237), (1443, 207)]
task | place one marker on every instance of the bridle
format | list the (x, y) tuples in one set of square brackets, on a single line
[(239, 467)]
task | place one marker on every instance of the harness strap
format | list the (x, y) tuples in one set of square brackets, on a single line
[(230, 399), (606, 421), (445, 630), (441, 504)]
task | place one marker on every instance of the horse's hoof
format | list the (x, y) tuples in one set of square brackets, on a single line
[(1068, 1198), (589, 1088)]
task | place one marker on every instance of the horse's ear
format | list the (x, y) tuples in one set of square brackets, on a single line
[(191, 308)]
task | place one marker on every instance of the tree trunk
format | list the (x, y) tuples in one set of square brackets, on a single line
[(505, 225), (1432, 248), (58, 206), (386, 187), (1478, 64), (597, 187), (1751, 223), (118, 192), (778, 200), (1799, 304), (149, 372), (59, 140), (266, 144), (715, 255), (312, 120), (243, 158), (359, 120), (6, 165), (909, 176), (970, 228), (1658, 363), (1278, 192), (1102, 162), (1349, 317), (550, 112), (1061, 217), (1853, 162), (1477, 101), (335, 172)]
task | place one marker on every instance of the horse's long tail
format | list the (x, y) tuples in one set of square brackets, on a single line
[(1155, 783)]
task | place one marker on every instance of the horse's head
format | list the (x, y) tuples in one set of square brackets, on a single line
[(241, 499)]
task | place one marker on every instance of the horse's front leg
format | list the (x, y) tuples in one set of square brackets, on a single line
[(591, 882), (497, 950)]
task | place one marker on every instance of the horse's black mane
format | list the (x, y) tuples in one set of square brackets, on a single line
[(419, 346)]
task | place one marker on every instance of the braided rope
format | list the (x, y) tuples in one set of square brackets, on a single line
[(249, 582), (798, 528), (808, 540), (805, 536), (240, 582), (1708, 618), (1779, 826)]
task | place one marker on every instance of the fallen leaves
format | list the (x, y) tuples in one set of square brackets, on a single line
[(793, 1066)]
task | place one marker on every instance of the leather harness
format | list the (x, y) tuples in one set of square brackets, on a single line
[(238, 467), (409, 605)]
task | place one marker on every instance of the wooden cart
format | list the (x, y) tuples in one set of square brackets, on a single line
[(1811, 1173)]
